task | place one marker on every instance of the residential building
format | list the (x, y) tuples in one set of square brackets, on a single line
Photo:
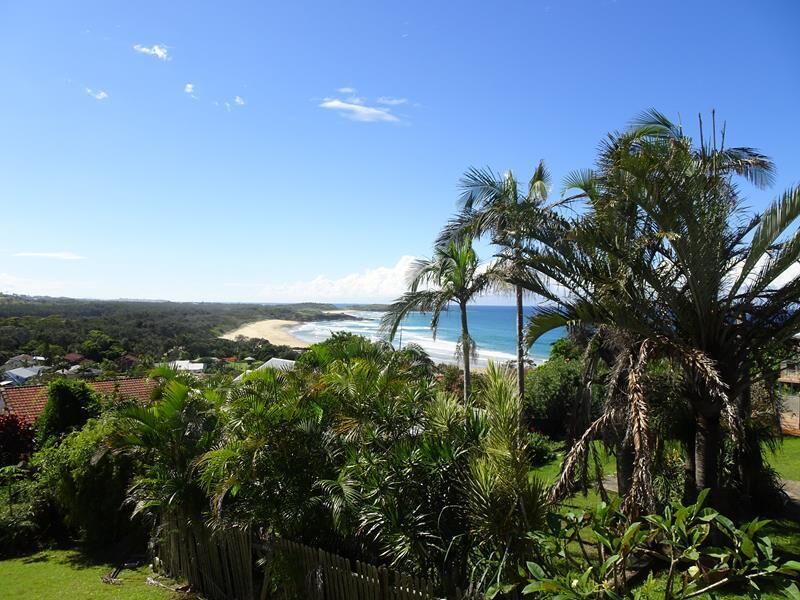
[(278, 364), (29, 401), (187, 366)]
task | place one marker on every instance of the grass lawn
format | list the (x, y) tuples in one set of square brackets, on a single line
[(786, 461), (549, 472), (69, 574)]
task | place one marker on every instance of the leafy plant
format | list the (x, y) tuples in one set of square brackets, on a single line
[(588, 555)]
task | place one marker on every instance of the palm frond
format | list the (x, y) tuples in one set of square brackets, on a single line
[(773, 223)]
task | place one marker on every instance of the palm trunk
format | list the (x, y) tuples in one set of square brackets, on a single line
[(706, 452), (625, 457), (520, 346), (689, 470), (465, 350)]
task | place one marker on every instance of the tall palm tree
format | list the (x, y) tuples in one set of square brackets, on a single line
[(512, 216), (453, 276), (663, 256)]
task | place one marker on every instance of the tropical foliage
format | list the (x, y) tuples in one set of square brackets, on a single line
[(678, 309), (453, 276), (665, 266)]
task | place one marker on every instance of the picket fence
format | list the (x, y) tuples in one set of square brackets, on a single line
[(223, 566), (321, 575)]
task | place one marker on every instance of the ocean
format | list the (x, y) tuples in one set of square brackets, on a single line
[(492, 328)]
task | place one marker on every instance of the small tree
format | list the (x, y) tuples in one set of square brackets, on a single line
[(69, 405), (454, 276)]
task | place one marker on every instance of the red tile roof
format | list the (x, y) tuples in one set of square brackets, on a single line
[(28, 402)]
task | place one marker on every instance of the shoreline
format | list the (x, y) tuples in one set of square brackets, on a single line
[(280, 332), (275, 331)]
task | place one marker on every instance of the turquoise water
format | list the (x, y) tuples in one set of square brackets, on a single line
[(492, 328)]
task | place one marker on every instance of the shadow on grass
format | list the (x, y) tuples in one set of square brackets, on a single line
[(40, 557), (785, 536)]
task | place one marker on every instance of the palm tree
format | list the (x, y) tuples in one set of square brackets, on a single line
[(168, 436), (512, 216), (453, 276), (661, 257)]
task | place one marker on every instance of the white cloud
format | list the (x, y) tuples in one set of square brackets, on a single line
[(391, 101), (357, 108), (158, 50), (359, 112), (12, 284), (239, 100), (375, 284), (189, 88), (97, 94), (52, 255)]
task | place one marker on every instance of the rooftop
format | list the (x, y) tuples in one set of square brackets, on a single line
[(28, 402)]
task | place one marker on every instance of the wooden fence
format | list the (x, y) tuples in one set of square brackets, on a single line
[(225, 565), (318, 575), (218, 564)]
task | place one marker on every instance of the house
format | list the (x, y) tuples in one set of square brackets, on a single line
[(128, 361), (17, 362), (278, 364), (74, 358), (789, 384), (29, 401), (187, 366), (22, 375)]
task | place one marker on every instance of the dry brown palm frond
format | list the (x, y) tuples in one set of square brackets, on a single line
[(640, 497), (703, 372), (577, 455)]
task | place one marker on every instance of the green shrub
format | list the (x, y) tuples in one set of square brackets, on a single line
[(69, 405), (86, 484), (541, 449), (588, 555), (551, 392), (19, 531)]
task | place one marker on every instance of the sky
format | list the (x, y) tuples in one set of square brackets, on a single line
[(273, 152)]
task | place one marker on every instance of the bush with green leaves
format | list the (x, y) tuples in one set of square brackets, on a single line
[(70, 403), (552, 391), (591, 554), (87, 484), (540, 449)]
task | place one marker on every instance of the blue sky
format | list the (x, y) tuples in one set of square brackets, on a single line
[(320, 144)]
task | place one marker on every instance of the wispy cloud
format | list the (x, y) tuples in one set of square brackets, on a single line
[(13, 284), (378, 284), (160, 51), (189, 89), (238, 100), (390, 101), (51, 255), (359, 112), (358, 108), (97, 94)]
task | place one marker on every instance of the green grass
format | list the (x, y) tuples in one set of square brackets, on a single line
[(786, 461), (549, 473), (60, 574)]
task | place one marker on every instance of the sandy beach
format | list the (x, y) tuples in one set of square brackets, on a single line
[(276, 331)]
